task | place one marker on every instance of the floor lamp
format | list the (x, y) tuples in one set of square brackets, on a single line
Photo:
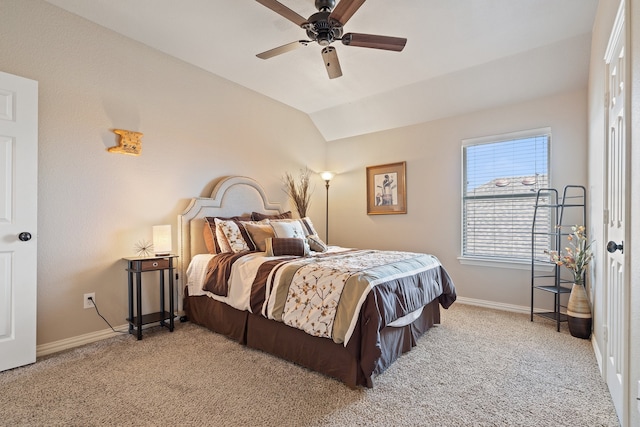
[(327, 177)]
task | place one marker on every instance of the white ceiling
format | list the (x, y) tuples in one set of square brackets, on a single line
[(461, 55)]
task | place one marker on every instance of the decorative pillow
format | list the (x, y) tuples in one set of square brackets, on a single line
[(259, 232), (316, 244), (288, 228), (222, 244), (236, 235), (308, 226), (211, 237), (277, 246), (257, 216)]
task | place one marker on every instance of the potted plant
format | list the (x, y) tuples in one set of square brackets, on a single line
[(576, 257)]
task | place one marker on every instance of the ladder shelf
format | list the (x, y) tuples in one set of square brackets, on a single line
[(552, 213)]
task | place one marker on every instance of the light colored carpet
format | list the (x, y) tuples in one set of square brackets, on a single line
[(480, 367)]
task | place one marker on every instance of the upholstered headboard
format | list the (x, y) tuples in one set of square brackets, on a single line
[(232, 196)]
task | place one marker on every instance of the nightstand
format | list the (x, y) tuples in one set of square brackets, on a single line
[(163, 264)]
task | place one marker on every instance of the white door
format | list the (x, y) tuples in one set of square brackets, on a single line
[(18, 219), (616, 275)]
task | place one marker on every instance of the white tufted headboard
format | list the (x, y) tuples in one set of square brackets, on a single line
[(232, 196)]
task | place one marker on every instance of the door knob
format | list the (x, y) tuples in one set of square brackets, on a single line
[(613, 246), (24, 236)]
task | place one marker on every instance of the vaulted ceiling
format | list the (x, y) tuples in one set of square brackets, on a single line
[(461, 55)]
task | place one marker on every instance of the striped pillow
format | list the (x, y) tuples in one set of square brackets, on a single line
[(277, 246)]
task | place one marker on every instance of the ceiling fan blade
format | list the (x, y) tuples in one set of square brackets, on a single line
[(374, 41), (282, 49), (345, 10), (330, 57), (284, 11)]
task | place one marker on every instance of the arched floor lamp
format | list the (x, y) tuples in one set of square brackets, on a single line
[(327, 176)]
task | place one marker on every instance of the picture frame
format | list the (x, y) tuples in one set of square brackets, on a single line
[(387, 189)]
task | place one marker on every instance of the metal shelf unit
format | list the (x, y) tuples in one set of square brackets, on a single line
[(548, 229)]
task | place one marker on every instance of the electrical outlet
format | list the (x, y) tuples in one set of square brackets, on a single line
[(88, 303)]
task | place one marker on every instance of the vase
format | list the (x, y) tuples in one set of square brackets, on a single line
[(579, 313)]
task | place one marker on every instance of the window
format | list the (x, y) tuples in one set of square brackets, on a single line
[(502, 175)]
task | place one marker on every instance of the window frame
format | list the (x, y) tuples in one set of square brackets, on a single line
[(488, 260)]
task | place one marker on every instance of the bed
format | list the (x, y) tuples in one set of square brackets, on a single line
[(263, 296)]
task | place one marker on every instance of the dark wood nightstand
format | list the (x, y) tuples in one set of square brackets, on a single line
[(135, 267)]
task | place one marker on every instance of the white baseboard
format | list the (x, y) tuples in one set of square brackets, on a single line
[(598, 354), (494, 305), (67, 343)]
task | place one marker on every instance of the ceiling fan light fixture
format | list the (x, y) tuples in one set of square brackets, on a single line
[(326, 26), (325, 5), (331, 62)]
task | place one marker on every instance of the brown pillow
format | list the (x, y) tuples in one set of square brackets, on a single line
[(277, 246), (209, 232), (259, 233), (257, 216)]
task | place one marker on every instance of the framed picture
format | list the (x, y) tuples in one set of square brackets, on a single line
[(387, 189)]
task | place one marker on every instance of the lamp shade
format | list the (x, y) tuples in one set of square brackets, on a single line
[(327, 175), (162, 239)]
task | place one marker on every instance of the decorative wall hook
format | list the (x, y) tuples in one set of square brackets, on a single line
[(130, 142)]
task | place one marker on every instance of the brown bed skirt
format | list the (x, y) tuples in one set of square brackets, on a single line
[(354, 365)]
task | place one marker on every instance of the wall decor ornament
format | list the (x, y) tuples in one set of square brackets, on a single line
[(387, 189), (143, 248), (129, 143)]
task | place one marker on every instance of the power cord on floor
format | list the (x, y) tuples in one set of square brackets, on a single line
[(96, 307)]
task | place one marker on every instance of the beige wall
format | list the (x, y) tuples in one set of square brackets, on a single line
[(93, 206), (433, 155)]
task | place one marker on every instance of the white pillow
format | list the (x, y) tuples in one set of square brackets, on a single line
[(288, 229)]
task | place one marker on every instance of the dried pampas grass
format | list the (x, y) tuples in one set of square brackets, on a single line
[(299, 190)]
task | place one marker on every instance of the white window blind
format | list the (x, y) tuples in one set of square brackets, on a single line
[(502, 175)]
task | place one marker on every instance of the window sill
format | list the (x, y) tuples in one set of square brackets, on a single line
[(501, 263)]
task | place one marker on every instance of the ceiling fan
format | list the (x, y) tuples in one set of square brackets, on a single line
[(324, 27)]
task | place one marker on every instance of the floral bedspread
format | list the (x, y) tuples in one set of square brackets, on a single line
[(323, 296)]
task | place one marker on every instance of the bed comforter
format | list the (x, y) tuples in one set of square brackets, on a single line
[(323, 294)]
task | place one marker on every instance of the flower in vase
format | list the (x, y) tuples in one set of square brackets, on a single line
[(577, 256)]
